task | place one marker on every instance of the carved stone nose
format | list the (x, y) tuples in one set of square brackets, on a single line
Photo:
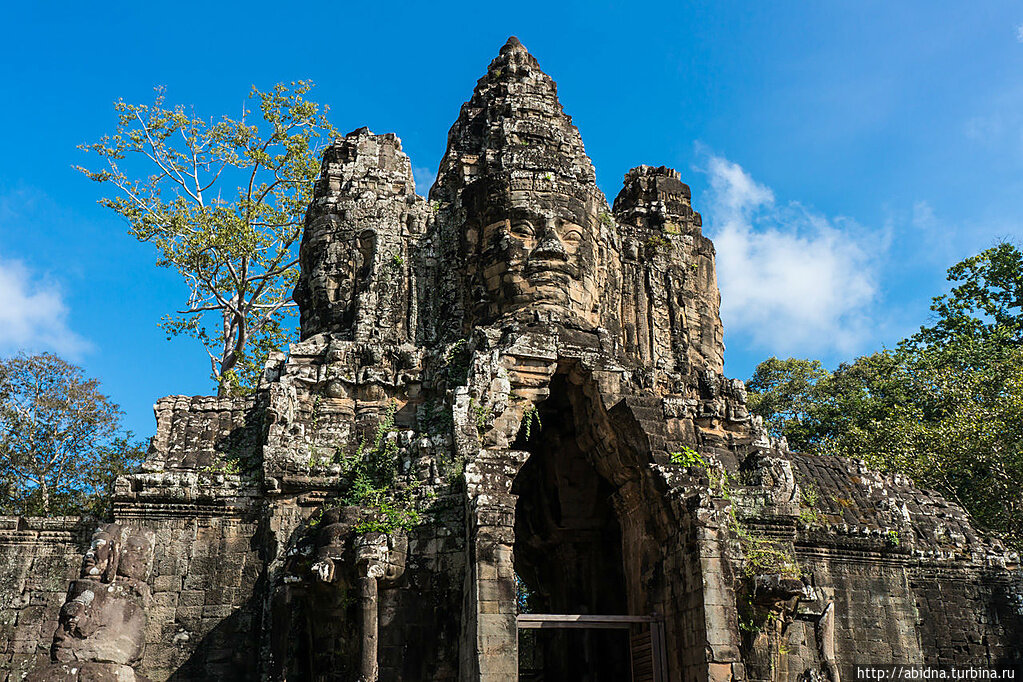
[(550, 247)]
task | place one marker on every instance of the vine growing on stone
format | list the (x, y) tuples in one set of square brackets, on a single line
[(370, 481), (531, 414), (762, 555), (687, 457)]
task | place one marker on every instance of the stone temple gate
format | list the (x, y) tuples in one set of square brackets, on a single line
[(503, 449)]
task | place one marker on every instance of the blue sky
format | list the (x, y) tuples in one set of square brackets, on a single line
[(843, 154)]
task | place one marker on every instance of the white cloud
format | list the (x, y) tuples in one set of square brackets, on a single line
[(985, 129), (33, 315), (1019, 33), (923, 217), (933, 238), (792, 280)]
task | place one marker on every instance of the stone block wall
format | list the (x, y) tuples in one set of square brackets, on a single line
[(199, 491), (875, 612), (204, 619), (38, 558), (968, 615), (204, 623)]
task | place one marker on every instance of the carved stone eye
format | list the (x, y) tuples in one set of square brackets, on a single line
[(523, 229), (572, 237)]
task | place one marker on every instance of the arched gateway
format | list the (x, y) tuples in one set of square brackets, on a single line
[(581, 581), (586, 554)]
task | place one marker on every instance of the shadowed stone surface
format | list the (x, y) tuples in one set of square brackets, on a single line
[(544, 372)]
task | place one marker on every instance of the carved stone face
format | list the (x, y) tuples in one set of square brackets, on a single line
[(136, 556), (100, 561), (541, 254), (328, 283)]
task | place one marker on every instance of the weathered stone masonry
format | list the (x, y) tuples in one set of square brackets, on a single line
[(545, 371)]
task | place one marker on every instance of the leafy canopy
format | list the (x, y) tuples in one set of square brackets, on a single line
[(945, 407), (60, 443), (223, 202), (986, 307)]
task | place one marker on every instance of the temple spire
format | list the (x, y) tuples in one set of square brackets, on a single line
[(513, 124)]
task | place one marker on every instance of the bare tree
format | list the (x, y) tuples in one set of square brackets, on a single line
[(224, 202)]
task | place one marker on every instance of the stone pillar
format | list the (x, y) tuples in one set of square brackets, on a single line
[(379, 563), (368, 666), (719, 610), (826, 643), (489, 631)]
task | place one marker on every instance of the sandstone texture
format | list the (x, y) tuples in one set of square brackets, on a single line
[(101, 628), (537, 374)]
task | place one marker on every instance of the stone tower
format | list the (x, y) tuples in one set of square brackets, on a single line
[(504, 450)]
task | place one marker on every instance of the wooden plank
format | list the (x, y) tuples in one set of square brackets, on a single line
[(642, 659), (570, 625), (632, 658), (659, 655), (530, 620)]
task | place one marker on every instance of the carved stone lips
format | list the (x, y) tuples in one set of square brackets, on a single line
[(545, 265)]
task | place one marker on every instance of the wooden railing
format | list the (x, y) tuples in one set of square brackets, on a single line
[(646, 639)]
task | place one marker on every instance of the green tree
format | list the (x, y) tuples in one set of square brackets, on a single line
[(984, 308), (968, 366), (223, 202), (971, 446), (865, 407), (61, 447), (784, 392), (945, 407)]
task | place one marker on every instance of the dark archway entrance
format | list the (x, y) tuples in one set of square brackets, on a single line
[(568, 550)]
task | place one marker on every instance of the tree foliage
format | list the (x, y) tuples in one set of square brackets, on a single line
[(60, 442), (945, 407), (223, 202), (983, 312), (782, 391)]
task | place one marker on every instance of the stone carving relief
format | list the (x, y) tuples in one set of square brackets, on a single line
[(101, 628), (540, 251), (334, 579)]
